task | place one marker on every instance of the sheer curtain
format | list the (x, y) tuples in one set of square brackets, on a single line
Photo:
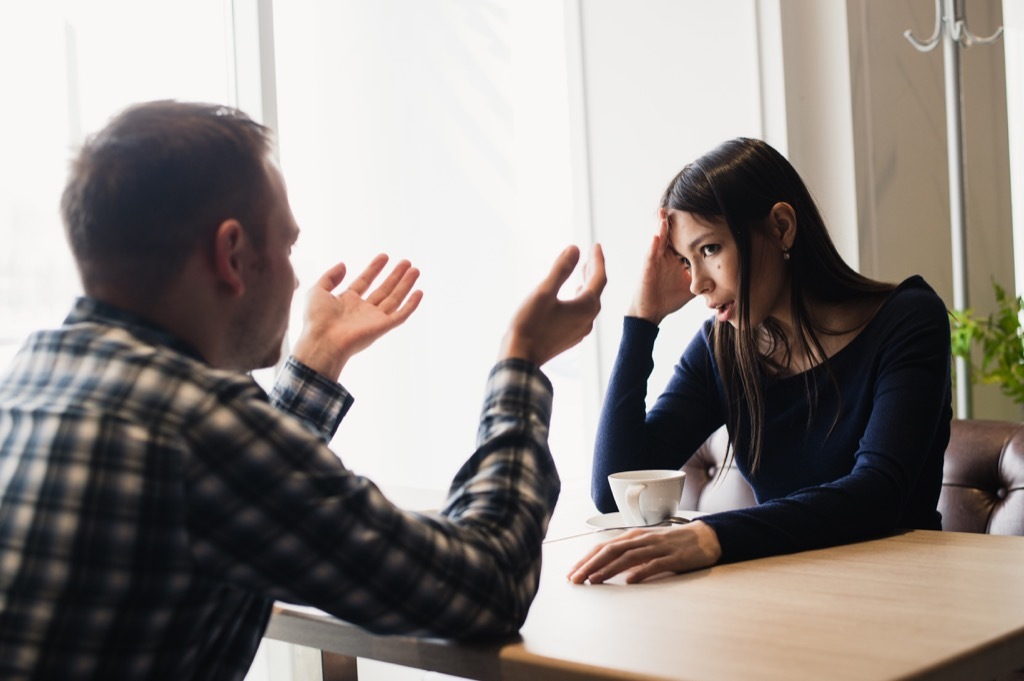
[(439, 132), (67, 67)]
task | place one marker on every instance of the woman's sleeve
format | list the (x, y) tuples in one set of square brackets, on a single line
[(685, 414), (909, 418)]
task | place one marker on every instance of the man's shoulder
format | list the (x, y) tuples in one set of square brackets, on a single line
[(88, 365)]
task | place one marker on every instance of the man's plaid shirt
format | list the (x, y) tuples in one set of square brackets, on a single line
[(153, 508)]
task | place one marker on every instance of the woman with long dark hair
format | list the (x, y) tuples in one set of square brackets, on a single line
[(834, 388)]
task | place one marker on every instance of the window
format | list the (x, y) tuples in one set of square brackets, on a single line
[(75, 65), (438, 132)]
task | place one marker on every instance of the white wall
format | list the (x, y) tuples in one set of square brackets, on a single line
[(818, 113), (664, 82)]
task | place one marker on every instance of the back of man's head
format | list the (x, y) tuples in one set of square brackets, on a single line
[(154, 184)]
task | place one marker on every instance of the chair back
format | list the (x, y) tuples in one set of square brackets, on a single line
[(702, 492), (983, 477)]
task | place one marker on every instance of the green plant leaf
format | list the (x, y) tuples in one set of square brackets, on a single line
[(1000, 339)]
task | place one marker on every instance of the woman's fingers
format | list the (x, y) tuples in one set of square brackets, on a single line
[(643, 553), (608, 559)]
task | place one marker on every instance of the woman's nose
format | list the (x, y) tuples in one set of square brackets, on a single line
[(699, 283)]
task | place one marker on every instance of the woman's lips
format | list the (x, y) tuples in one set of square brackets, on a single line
[(723, 313)]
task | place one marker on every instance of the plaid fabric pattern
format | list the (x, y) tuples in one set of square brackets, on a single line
[(153, 509)]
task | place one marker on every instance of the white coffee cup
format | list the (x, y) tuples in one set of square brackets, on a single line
[(647, 497)]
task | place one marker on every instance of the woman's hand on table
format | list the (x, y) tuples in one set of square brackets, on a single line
[(641, 553)]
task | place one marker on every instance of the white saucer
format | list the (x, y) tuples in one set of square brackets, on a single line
[(605, 521)]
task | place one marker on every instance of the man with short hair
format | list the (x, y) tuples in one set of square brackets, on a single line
[(155, 501)]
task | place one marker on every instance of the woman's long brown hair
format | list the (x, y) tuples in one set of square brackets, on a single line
[(739, 182)]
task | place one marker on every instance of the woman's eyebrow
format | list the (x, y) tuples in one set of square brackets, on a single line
[(703, 236)]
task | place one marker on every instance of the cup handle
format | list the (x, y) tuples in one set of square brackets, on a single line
[(633, 500)]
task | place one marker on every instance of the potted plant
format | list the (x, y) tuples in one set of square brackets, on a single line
[(1000, 339)]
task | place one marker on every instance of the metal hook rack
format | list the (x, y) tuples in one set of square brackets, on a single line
[(946, 13), (949, 15)]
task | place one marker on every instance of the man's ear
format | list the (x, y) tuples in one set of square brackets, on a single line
[(782, 222), (228, 249)]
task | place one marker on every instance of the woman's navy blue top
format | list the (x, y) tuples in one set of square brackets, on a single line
[(865, 461)]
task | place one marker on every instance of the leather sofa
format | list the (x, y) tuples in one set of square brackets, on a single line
[(982, 479)]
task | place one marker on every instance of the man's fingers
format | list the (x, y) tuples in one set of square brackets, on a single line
[(389, 284), (594, 275), (564, 264), (596, 278), (363, 281), (398, 289), (408, 307), (330, 279)]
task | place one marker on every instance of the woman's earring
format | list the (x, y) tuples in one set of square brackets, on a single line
[(785, 253)]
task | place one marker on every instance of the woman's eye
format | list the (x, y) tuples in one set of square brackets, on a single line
[(684, 262), (710, 249)]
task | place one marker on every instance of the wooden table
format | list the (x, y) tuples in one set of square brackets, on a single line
[(918, 605)]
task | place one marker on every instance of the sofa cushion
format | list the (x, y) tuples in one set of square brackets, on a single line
[(983, 478)]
